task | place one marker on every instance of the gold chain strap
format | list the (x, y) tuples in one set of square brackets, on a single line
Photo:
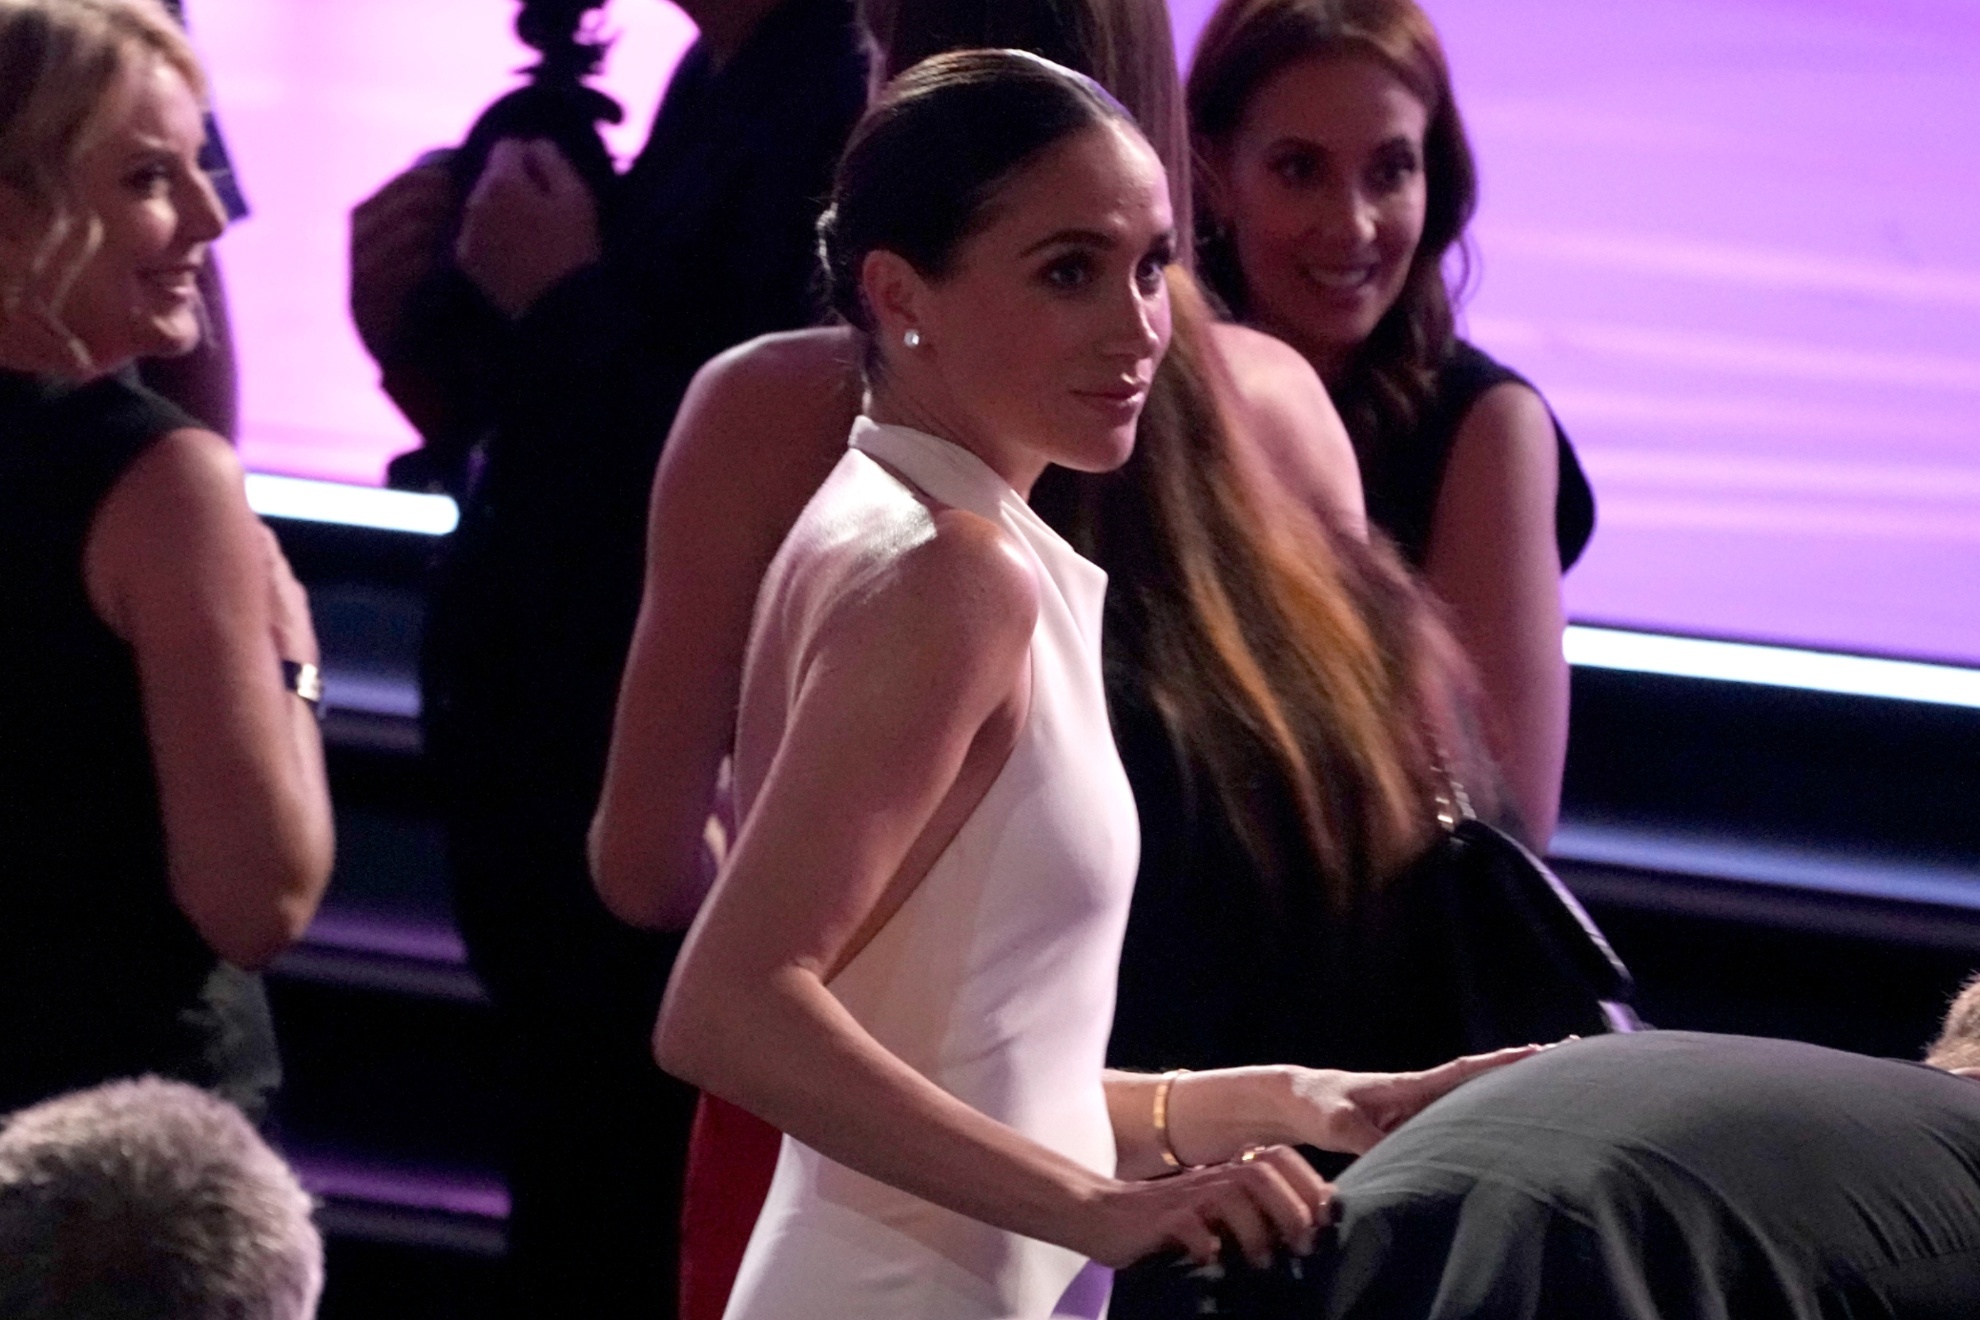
[(1453, 803)]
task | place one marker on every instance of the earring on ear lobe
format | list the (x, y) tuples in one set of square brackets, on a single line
[(912, 338)]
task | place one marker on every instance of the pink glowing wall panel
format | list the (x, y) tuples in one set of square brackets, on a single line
[(1732, 240)]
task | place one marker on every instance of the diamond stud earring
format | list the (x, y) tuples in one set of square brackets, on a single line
[(912, 338)]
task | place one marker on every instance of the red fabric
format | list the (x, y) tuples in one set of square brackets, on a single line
[(731, 1156)]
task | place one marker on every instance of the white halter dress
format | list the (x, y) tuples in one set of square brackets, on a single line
[(996, 978)]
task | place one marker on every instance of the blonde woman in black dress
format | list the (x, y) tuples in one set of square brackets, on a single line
[(164, 820)]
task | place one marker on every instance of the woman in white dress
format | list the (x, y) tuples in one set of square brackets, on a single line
[(907, 963)]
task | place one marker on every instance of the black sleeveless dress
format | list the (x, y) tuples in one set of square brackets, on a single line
[(101, 975), (1402, 475)]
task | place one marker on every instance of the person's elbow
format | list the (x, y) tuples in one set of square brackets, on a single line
[(255, 942), (689, 1034), (645, 886), (262, 905), (616, 875)]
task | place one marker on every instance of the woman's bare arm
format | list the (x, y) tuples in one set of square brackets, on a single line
[(1283, 409), (903, 718), (900, 689), (1217, 1115), (760, 429), (1493, 560), (180, 568)]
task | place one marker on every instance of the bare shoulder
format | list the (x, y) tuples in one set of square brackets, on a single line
[(767, 374), (175, 525), (181, 482), (1501, 481), (1512, 406), (1286, 410), (960, 589), (760, 427), (1510, 428), (1263, 365), (976, 563)]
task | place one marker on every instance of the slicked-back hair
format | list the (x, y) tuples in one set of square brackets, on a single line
[(929, 157), (150, 1200), (1126, 46)]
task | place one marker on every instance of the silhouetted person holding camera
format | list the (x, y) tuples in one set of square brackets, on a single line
[(542, 353)]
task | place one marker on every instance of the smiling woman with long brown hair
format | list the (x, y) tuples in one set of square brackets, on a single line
[(1336, 181)]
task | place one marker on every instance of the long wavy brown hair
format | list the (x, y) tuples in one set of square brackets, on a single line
[(1386, 385), (1288, 663)]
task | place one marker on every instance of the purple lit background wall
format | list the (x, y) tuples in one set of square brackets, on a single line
[(1734, 241)]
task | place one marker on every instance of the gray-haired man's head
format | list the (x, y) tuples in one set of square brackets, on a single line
[(149, 1200)]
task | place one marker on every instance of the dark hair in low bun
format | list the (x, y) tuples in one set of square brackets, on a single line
[(931, 153), (1127, 46)]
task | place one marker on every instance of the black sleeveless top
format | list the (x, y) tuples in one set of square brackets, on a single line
[(1400, 478), (101, 975)]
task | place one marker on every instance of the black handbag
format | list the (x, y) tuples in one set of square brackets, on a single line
[(1498, 951), (1527, 961)]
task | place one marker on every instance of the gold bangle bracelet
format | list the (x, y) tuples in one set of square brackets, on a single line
[(1164, 1146)]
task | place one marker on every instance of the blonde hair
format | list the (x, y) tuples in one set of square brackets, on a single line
[(61, 61)]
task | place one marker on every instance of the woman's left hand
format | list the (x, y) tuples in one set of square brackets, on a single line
[(1350, 1111)]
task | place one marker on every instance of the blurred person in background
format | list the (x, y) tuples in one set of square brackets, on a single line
[(165, 824), (150, 1200), (1336, 179), (539, 323)]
